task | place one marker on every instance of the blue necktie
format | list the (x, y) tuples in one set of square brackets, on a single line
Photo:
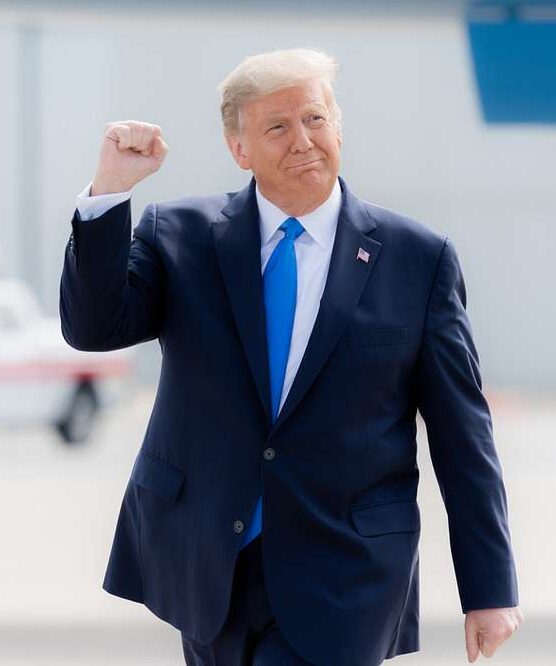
[(280, 295)]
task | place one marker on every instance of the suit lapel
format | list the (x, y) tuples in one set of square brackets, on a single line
[(238, 245), (346, 279)]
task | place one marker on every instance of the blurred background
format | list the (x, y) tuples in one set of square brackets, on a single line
[(449, 112)]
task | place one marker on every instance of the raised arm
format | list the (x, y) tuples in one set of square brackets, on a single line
[(111, 288)]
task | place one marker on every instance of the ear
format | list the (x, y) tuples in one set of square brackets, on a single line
[(236, 148)]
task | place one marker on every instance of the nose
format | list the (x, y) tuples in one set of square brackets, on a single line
[(301, 140)]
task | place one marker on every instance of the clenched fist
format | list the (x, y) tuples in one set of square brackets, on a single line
[(130, 151)]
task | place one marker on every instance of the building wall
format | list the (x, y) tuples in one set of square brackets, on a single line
[(414, 141)]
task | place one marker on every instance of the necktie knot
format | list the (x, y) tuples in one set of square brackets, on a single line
[(292, 227)]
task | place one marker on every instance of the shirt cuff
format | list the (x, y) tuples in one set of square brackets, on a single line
[(91, 207)]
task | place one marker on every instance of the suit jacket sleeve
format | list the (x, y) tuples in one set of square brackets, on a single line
[(111, 287), (91, 207), (461, 444)]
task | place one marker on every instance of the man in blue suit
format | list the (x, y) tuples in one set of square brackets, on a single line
[(271, 512)]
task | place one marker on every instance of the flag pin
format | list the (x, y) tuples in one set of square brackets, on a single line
[(363, 255)]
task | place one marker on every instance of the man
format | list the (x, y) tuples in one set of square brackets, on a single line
[(271, 513)]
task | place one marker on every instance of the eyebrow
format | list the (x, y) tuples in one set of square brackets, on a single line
[(316, 106)]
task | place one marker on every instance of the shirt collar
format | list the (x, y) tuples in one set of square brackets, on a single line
[(320, 223)]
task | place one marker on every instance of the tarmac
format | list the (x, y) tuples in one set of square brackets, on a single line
[(59, 510)]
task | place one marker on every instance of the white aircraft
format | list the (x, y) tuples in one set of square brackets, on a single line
[(43, 379)]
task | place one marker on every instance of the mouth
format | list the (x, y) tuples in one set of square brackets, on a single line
[(297, 166)]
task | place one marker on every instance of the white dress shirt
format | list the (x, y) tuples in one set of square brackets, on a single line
[(313, 250)]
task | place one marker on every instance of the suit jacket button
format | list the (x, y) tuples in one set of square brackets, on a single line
[(269, 453), (238, 526)]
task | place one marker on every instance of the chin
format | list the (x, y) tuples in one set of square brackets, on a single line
[(314, 176)]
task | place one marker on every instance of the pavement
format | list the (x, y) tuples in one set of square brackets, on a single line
[(59, 509)]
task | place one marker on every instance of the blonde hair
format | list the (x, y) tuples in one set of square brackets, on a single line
[(264, 73)]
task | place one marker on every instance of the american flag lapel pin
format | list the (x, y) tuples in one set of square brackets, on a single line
[(363, 255)]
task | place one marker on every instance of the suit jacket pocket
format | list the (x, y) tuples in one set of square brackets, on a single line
[(386, 518), (362, 336), (157, 475)]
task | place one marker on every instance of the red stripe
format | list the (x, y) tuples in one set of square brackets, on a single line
[(100, 368)]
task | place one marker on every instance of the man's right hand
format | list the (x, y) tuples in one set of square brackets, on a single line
[(130, 151)]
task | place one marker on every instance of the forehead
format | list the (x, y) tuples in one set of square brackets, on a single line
[(288, 100)]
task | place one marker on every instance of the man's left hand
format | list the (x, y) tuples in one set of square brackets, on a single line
[(486, 629)]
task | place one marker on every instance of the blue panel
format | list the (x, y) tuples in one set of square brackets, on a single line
[(515, 64)]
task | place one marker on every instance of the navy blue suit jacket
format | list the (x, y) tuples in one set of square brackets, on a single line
[(341, 519)]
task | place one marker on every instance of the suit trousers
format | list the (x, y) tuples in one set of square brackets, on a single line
[(250, 635)]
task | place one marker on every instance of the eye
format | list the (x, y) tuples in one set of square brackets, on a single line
[(275, 127), (316, 120)]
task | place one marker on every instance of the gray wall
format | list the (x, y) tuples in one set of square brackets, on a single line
[(413, 141)]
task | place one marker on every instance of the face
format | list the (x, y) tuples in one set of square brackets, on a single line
[(288, 140)]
